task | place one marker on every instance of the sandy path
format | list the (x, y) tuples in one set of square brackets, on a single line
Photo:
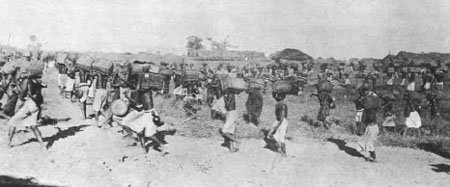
[(95, 157)]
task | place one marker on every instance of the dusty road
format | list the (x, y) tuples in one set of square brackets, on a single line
[(80, 154)]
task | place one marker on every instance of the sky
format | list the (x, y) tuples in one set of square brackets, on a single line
[(337, 28)]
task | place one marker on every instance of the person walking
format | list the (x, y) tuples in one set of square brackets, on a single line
[(367, 141), (229, 128), (279, 127), (254, 105)]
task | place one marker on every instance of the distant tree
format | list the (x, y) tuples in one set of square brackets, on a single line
[(194, 43)]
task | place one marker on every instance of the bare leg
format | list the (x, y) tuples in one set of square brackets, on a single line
[(97, 114), (234, 144), (283, 149), (83, 109), (3, 115), (141, 139), (108, 118), (159, 145), (38, 135), (128, 131), (12, 131)]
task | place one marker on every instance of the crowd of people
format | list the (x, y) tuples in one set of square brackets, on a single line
[(133, 84), (122, 91)]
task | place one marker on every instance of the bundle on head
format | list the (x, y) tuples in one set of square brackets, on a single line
[(324, 85)]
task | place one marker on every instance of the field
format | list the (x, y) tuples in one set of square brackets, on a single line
[(80, 154)]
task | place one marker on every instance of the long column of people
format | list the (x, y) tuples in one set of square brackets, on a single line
[(122, 91)]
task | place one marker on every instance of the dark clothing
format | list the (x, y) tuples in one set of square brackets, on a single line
[(71, 70), (102, 81), (439, 77), (166, 86), (370, 116), (191, 86), (178, 80), (191, 106), (409, 107), (434, 104), (10, 105), (230, 102), (281, 111), (62, 69), (121, 77), (36, 91), (359, 103), (324, 112), (145, 97), (213, 89), (84, 76), (254, 105), (388, 109), (324, 100)]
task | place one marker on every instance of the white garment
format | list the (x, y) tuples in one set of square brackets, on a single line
[(390, 82), (280, 134), (367, 141), (358, 116), (414, 120), (51, 64), (123, 92), (91, 91), (403, 82), (70, 84), (180, 91), (347, 82), (62, 78), (219, 106), (427, 86), (230, 123), (389, 121), (411, 86), (142, 121)]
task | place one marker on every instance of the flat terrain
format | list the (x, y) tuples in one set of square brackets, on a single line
[(80, 154)]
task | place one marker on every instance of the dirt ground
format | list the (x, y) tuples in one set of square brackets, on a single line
[(80, 154)]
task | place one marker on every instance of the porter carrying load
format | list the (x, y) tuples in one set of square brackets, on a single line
[(285, 87), (103, 66)]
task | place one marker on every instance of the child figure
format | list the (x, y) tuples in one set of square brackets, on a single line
[(367, 142), (278, 132)]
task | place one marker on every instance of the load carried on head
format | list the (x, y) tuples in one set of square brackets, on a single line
[(103, 66), (85, 62), (229, 83), (256, 84), (324, 85), (146, 75), (29, 69), (285, 87)]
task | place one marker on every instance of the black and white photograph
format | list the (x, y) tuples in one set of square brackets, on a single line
[(224, 93)]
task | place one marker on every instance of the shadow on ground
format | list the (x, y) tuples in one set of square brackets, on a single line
[(343, 147), (441, 168), (61, 134), (436, 148), (270, 143), (46, 120), (9, 181)]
